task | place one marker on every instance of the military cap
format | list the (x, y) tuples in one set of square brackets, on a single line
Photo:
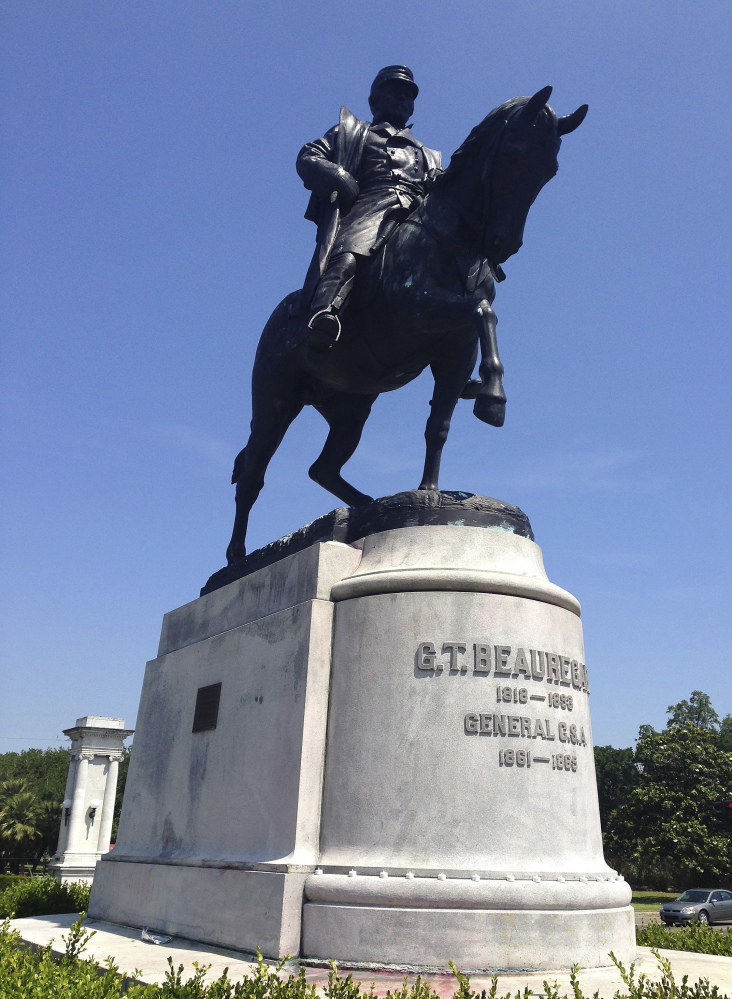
[(395, 73)]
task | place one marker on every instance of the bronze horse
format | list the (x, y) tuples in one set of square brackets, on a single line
[(423, 299)]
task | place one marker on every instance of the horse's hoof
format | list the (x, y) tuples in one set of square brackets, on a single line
[(362, 500), (490, 410), (234, 557)]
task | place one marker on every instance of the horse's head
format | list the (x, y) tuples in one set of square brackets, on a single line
[(525, 159), (494, 178)]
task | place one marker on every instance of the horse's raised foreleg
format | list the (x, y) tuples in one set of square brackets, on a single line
[(274, 407), (346, 415), (450, 376), (490, 400), (436, 309)]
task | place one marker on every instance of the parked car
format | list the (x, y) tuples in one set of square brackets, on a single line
[(700, 905)]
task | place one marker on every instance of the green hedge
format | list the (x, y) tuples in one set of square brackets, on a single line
[(694, 937), (42, 896), (28, 974)]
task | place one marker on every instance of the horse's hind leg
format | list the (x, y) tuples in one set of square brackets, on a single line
[(450, 376), (274, 407), (346, 415)]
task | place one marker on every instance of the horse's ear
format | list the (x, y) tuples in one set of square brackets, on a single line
[(571, 121), (537, 102)]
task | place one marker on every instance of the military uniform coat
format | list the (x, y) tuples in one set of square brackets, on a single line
[(392, 169)]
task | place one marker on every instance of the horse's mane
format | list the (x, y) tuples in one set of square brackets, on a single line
[(484, 136)]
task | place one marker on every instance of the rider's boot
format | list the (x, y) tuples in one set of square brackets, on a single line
[(325, 330), (328, 304)]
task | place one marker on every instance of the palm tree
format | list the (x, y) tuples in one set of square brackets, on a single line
[(11, 786), (19, 817)]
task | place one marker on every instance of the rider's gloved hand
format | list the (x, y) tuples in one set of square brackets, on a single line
[(346, 186)]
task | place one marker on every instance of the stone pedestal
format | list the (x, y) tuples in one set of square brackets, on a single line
[(378, 752), (91, 786)]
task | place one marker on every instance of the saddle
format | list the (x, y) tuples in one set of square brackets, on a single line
[(370, 270)]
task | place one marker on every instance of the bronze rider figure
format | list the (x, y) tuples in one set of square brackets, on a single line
[(358, 173)]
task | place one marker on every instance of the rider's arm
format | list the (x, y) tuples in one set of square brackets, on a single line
[(318, 172)]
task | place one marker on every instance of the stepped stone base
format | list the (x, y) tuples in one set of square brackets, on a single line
[(375, 749)]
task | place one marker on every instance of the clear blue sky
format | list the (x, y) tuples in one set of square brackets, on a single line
[(152, 219)]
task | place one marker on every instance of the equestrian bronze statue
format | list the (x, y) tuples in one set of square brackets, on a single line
[(403, 277)]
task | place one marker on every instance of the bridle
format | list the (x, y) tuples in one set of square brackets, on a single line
[(477, 224)]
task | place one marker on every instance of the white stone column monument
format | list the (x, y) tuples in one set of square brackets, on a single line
[(378, 750), (88, 807)]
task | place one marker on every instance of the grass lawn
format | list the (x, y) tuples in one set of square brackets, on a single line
[(651, 901)]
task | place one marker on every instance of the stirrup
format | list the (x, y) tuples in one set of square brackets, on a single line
[(325, 330)]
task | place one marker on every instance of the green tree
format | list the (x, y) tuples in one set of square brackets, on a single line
[(646, 730), (725, 733), (42, 773), (19, 818), (124, 766), (665, 834), (48, 825), (43, 770), (697, 711), (617, 775)]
